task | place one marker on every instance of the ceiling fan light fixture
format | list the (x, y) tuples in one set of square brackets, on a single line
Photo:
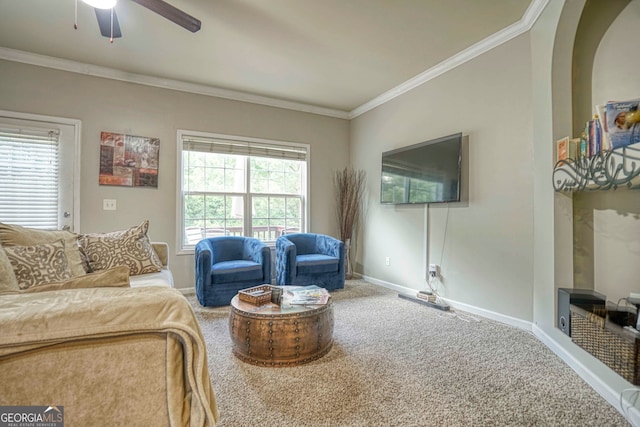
[(101, 4)]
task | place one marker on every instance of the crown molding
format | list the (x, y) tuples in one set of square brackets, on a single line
[(529, 18), (114, 74), (525, 24)]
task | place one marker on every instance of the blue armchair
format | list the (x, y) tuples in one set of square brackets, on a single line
[(310, 259), (227, 264)]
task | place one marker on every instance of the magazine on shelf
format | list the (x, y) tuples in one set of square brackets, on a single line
[(623, 122), (601, 111), (306, 295), (593, 131)]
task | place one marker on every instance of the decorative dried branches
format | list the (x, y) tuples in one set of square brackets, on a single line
[(350, 185)]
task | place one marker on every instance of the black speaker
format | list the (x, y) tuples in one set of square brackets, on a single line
[(585, 298)]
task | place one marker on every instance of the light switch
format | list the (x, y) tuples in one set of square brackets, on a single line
[(109, 204)]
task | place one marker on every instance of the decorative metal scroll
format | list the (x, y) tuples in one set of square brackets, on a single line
[(607, 170)]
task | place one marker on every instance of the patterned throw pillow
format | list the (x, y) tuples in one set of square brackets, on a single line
[(39, 265), (8, 281), (16, 235), (127, 247)]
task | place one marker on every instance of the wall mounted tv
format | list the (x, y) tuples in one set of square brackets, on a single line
[(428, 172)]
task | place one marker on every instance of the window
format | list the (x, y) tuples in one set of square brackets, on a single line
[(37, 171), (240, 186)]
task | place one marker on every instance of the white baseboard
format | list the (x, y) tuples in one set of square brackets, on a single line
[(513, 321), (596, 382), (498, 317), (187, 291), (388, 285), (601, 387)]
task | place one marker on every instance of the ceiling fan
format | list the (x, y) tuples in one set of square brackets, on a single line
[(108, 21)]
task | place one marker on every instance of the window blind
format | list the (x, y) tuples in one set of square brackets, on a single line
[(244, 148), (29, 174)]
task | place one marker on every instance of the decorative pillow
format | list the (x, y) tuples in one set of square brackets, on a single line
[(116, 277), (85, 260), (16, 235), (39, 265), (8, 281), (127, 247)]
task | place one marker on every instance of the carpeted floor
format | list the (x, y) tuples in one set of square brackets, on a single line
[(398, 363)]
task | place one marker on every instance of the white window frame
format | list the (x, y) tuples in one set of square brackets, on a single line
[(181, 134), (71, 132)]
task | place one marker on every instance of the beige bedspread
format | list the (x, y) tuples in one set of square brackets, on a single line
[(110, 356)]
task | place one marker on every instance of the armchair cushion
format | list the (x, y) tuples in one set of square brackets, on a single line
[(316, 264), (235, 271)]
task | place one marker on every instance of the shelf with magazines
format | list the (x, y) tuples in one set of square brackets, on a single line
[(607, 154), (607, 170)]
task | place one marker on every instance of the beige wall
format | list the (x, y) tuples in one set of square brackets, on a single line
[(108, 105), (486, 254)]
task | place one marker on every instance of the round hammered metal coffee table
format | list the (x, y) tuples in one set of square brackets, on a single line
[(273, 335)]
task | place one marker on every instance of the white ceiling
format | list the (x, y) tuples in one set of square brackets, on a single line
[(333, 54)]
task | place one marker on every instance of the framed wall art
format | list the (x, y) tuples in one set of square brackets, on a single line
[(129, 160)]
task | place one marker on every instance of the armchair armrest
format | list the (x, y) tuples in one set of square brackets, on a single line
[(330, 246), (205, 248), (204, 258), (286, 258)]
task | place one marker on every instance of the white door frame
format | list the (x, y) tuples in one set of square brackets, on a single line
[(77, 128)]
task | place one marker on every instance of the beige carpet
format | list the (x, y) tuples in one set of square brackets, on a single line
[(398, 363)]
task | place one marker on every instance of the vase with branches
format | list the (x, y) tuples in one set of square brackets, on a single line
[(350, 185)]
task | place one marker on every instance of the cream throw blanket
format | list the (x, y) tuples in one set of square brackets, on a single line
[(108, 355)]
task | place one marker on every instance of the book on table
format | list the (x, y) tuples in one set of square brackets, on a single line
[(306, 295)]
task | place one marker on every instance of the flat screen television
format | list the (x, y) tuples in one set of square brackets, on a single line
[(428, 172)]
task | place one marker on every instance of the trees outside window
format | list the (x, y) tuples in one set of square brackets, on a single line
[(241, 187)]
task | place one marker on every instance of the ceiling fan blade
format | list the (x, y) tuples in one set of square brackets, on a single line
[(173, 14), (104, 22)]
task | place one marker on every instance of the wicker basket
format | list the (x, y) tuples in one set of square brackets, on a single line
[(614, 346), (257, 295)]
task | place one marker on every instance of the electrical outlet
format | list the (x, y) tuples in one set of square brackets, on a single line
[(109, 204), (387, 261), (434, 270)]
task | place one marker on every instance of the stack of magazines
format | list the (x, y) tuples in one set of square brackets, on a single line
[(305, 295)]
